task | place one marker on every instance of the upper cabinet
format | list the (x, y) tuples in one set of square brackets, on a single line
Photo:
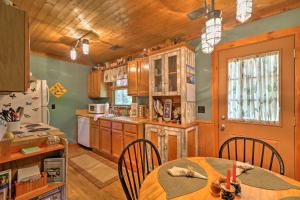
[(96, 86), (138, 77), (172, 77), (14, 49), (168, 71)]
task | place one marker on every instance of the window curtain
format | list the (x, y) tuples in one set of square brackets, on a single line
[(253, 88)]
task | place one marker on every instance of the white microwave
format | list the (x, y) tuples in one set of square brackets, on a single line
[(96, 108)]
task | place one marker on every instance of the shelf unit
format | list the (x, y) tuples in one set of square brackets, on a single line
[(43, 150), (40, 191), (176, 67), (18, 160)]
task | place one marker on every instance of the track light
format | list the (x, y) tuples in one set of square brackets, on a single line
[(73, 54), (85, 46)]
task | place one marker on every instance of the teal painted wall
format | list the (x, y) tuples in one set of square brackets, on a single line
[(74, 78), (203, 62)]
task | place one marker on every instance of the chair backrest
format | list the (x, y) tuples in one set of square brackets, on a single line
[(135, 164), (253, 142)]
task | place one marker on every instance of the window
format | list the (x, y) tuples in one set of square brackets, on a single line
[(253, 88), (121, 97)]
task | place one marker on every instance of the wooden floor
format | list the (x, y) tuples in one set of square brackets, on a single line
[(79, 188)]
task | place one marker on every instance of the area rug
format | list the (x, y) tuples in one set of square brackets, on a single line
[(96, 169)]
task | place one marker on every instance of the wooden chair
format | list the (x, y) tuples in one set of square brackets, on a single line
[(135, 164), (253, 142)]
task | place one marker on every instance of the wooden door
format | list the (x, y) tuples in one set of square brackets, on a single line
[(143, 78), (132, 75), (157, 75), (116, 143), (244, 111), (154, 134), (14, 49), (128, 138), (172, 73), (105, 140), (172, 143), (95, 137)]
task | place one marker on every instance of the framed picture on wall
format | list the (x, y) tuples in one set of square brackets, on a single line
[(5, 185), (168, 110)]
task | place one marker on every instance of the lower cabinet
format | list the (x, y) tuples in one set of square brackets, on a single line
[(116, 144), (105, 141), (109, 137), (173, 143), (95, 137)]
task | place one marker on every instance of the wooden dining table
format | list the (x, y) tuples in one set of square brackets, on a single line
[(152, 190)]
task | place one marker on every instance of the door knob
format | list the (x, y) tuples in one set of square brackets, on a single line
[(222, 127), (223, 117)]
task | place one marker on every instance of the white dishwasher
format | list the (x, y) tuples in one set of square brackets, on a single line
[(83, 131)]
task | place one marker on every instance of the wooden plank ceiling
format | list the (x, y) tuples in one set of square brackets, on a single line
[(132, 24)]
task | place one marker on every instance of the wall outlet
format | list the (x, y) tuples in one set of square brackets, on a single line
[(53, 106), (201, 109)]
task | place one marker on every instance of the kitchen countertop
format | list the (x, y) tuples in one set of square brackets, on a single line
[(171, 124), (123, 119)]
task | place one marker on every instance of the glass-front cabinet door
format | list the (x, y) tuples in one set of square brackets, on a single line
[(172, 75), (157, 73)]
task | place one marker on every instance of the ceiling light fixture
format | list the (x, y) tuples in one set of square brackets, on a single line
[(213, 26), (206, 48), (85, 46), (73, 54), (243, 10)]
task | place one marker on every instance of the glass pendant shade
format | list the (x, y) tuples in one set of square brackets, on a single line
[(73, 54), (213, 27), (243, 10), (85, 46), (206, 48)]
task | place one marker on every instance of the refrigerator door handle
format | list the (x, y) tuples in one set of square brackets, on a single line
[(48, 116), (48, 95)]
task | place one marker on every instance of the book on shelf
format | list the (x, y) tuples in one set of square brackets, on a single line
[(55, 168), (29, 174), (5, 185)]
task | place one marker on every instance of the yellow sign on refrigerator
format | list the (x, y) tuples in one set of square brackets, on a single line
[(57, 90)]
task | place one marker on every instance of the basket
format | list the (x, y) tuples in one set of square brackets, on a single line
[(23, 188)]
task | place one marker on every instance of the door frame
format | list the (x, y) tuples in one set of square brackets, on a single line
[(293, 31)]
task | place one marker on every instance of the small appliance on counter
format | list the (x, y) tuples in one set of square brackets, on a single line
[(97, 108)]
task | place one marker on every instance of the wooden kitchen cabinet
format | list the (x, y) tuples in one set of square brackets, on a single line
[(14, 49), (172, 142), (105, 141), (94, 134), (138, 77), (95, 137), (96, 86), (108, 137), (117, 140)]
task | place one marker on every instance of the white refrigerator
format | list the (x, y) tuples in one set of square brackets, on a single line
[(35, 102)]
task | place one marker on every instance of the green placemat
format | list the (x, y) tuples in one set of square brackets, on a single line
[(291, 198), (257, 177), (179, 186)]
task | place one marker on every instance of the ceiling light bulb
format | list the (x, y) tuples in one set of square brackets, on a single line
[(73, 54), (206, 48), (85, 46), (243, 10), (213, 27)]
